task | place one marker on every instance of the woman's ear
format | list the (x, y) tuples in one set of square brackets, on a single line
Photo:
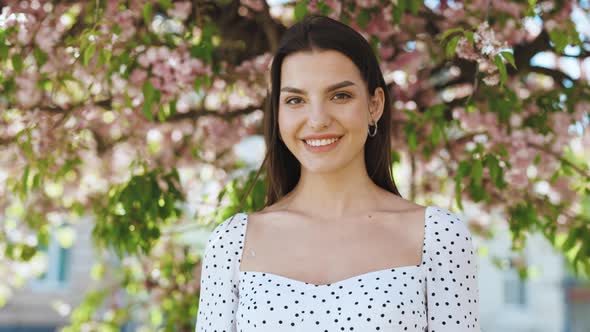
[(376, 104)]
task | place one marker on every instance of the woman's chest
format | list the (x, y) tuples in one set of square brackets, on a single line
[(385, 300)]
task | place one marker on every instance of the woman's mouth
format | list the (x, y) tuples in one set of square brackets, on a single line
[(321, 145)]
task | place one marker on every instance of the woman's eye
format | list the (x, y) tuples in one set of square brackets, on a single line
[(289, 101), (342, 95)]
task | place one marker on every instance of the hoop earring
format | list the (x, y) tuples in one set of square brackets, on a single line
[(375, 132)]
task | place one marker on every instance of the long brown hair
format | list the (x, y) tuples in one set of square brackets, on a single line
[(316, 32)]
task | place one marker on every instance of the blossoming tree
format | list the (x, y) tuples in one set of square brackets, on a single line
[(129, 111)]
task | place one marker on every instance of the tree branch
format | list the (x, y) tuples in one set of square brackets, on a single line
[(570, 164), (269, 27), (195, 114), (557, 75)]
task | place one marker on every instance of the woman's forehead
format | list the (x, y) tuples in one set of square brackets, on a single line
[(318, 69)]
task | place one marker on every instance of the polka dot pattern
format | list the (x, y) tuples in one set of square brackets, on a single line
[(438, 295)]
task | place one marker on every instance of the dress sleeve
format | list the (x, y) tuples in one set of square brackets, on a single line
[(452, 276), (218, 298)]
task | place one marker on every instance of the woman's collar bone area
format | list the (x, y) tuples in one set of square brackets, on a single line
[(304, 249)]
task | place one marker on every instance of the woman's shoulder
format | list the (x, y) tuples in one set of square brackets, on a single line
[(229, 230), (442, 215), (444, 225)]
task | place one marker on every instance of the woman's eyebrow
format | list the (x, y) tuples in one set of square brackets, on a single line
[(328, 89)]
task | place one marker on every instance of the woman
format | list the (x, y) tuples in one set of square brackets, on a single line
[(336, 247)]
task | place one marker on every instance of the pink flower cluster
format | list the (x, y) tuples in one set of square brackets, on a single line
[(486, 47), (523, 143), (256, 5), (125, 20), (172, 70), (219, 135), (334, 5), (180, 10), (255, 67), (27, 93)]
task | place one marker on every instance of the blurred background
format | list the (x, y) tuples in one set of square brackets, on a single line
[(130, 129)]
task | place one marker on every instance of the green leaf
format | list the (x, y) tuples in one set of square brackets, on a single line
[(436, 133), (104, 56), (163, 113), (36, 181), (509, 57), (3, 51), (165, 4), (3, 47), (463, 169), (149, 96), (398, 10), (147, 14), (395, 157), (40, 57), (300, 10), (25, 180), (493, 166), (414, 6), (572, 239), (27, 252), (470, 37), (88, 53), (412, 140), (477, 171), (363, 18), (449, 32), (17, 63), (531, 9), (324, 8), (559, 38), (501, 68), (458, 193), (476, 191), (452, 47)]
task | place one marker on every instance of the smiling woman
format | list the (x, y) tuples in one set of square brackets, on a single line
[(322, 116), (366, 259)]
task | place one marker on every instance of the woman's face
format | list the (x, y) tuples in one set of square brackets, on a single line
[(324, 97)]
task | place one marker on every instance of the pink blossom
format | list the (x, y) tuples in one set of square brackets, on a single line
[(151, 55), (181, 10), (336, 6), (156, 82), (256, 5), (409, 62), (380, 26), (163, 53), (510, 7), (143, 60), (517, 180), (27, 93), (162, 70), (138, 76), (465, 51), (367, 3), (125, 21), (386, 52), (492, 80)]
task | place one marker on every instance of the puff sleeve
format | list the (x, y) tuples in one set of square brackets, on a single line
[(218, 298), (452, 275)]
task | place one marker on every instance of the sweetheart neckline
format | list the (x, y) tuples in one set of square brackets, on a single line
[(362, 275), (342, 281)]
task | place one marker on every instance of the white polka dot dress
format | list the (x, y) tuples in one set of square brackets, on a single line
[(439, 295)]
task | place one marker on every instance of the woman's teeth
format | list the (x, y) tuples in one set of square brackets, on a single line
[(321, 142)]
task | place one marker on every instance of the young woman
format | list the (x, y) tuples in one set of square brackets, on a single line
[(336, 247)]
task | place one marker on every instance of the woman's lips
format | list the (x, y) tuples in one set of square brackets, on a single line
[(322, 148)]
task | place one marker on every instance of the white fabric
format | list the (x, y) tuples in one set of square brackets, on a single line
[(439, 295)]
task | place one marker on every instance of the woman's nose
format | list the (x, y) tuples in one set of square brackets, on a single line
[(318, 117)]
